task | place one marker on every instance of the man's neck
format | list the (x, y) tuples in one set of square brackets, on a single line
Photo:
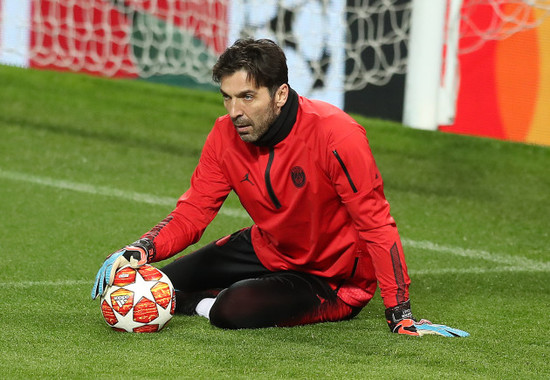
[(282, 126)]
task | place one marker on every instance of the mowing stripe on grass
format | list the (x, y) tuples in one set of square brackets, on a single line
[(29, 284), (506, 263)]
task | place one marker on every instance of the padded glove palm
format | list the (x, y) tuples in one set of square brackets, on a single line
[(136, 254)]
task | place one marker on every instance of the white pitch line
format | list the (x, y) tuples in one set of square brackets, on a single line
[(106, 191), (475, 270), (506, 263), (412, 272), (511, 261)]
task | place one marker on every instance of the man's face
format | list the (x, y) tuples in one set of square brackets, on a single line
[(251, 108)]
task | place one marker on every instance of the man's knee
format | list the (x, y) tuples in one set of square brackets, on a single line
[(221, 314), (263, 302), (235, 308)]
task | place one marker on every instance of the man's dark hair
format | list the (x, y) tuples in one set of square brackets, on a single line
[(262, 59)]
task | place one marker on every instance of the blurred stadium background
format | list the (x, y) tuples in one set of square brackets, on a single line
[(478, 67)]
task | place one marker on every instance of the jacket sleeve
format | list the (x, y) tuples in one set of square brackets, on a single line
[(359, 184), (196, 208)]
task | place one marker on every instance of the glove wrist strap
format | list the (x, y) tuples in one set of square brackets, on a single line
[(397, 313), (148, 246), (401, 311)]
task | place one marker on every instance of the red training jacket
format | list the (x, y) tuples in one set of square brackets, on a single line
[(316, 199)]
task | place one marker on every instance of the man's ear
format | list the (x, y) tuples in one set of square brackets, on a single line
[(281, 95)]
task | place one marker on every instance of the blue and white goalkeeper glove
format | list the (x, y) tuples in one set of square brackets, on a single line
[(136, 254), (401, 321)]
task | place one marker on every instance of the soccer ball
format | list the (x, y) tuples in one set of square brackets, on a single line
[(140, 300)]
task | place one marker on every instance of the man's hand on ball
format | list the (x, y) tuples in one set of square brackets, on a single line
[(136, 254), (401, 321)]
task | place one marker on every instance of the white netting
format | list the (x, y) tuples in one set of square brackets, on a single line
[(378, 49), (372, 34), (503, 19), (113, 37)]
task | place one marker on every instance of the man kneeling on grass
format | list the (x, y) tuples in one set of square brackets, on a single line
[(323, 237)]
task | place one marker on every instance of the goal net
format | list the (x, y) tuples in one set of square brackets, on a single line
[(128, 38), (506, 18)]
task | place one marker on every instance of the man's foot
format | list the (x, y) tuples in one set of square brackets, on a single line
[(186, 303)]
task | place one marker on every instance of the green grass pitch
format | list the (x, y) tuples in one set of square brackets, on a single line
[(88, 164)]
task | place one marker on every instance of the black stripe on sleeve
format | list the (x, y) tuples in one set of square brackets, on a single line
[(345, 170), (398, 273)]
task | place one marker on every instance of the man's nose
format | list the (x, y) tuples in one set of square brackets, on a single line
[(235, 110)]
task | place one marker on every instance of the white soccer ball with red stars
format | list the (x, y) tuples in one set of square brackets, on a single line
[(140, 300)]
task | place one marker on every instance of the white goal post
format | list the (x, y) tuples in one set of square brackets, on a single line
[(14, 33), (422, 84)]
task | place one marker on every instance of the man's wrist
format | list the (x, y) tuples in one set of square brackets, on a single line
[(148, 246), (398, 313)]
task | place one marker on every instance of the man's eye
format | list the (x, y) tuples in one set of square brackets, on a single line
[(248, 97)]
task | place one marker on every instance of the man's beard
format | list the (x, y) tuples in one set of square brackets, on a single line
[(259, 127)]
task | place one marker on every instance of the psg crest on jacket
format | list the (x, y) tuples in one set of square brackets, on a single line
[(298, 176)]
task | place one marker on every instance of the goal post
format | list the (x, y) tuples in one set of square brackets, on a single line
[(450, 78), (15, 17), (422, 84)]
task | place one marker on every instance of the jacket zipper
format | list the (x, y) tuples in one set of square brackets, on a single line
[(345, 170), (270, 190)]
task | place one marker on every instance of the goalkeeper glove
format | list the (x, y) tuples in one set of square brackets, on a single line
[(401, 321), (136, 254)]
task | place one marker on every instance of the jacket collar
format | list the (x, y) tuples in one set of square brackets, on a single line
[(282, 126)]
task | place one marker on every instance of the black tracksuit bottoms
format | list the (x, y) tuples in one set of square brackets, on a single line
[(248, 295)]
